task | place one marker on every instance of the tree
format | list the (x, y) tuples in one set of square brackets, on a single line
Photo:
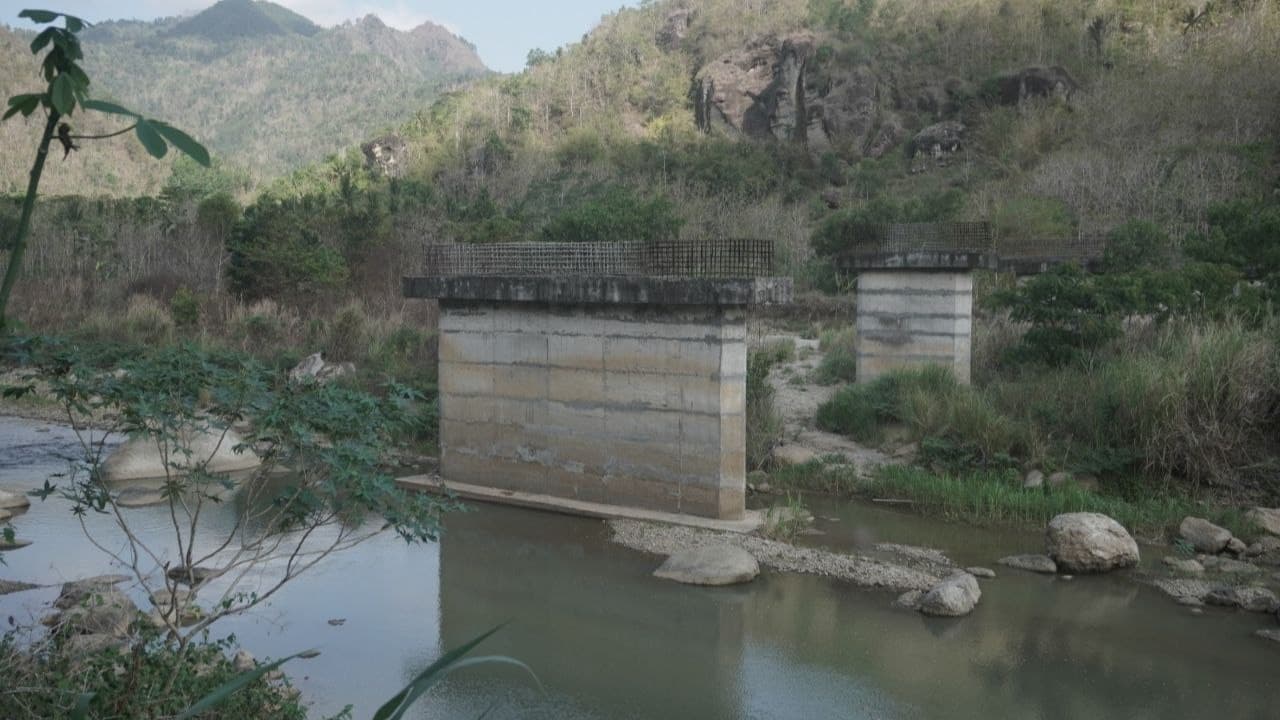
[(68, 88), (317, 484)]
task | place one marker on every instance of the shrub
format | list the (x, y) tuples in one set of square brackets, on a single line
[(840, 361), (779, 351), (348, 334), (1069, 314), (619, 214), (1137, 244), (1032, 217), (184, 307)]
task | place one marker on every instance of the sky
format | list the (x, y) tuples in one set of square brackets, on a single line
[(504, 31)]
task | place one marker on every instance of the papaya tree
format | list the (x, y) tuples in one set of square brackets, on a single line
[(66, 91)]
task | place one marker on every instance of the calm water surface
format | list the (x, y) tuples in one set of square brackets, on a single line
[(608, 641)]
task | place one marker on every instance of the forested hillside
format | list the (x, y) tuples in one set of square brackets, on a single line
[(1048, 118), (264, 88)]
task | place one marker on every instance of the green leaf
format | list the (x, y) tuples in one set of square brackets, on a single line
[(42, 40), (399, 704), (78, 75), (25, 104), (231, 687), (107, 107), (63, 94), (150, 139), (183, 142), (39, 16), (75, 24)]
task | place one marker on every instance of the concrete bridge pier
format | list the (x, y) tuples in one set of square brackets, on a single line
[(617, 391), (916, 309)]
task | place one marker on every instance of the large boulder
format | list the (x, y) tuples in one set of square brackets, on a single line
[(1204, 535), (77, 592), (719, 564), (1089, 543), (1266, 518), (315, 368), (139, 457), (956, 596), (109, 612)]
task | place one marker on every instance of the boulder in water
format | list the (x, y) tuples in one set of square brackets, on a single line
[(139, 458), (13, 501), (956, 596), (719, 564), (1089, 543), (1031, 563), (1204, 535)]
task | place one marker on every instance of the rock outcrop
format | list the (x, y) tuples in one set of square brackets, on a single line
[(386, 154), (765, 91), (675, 26), (938, 142), (1089, 543), (1012, 88), (719, 564)]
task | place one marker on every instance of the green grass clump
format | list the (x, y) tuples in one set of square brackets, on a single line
[(840, 361), (997, 498)]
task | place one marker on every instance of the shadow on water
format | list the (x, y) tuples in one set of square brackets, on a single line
[(609, 641)]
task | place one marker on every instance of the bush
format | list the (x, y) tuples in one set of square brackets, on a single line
[(840, 361), (348, 335), (129, 683), (1136, 245), (184, 307), (619, 214), (1032, 217), (1069, 312)]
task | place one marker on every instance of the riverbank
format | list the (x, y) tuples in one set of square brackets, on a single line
[(935, 477)]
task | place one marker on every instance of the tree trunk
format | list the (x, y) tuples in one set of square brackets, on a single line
[(24, 224)]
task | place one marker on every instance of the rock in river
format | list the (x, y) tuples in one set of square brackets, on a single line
[(1032, 563), (1204, 535), (139, 457), (1089, 543), (956, 596), (717, 564), (13, 501), (1251, 598)]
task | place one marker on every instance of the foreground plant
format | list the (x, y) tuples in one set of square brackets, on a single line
[(67, 90), (320, 487)]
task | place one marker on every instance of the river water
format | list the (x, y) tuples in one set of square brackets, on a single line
[(609, 641)]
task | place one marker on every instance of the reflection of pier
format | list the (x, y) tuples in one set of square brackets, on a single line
[(591, 626)]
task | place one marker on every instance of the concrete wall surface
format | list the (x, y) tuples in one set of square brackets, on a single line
[(909, 319), (632, 405)]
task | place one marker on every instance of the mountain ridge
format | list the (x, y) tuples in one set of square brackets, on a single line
[(267, 101)]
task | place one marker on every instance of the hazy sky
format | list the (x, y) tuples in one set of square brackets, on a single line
[(503, 30)]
